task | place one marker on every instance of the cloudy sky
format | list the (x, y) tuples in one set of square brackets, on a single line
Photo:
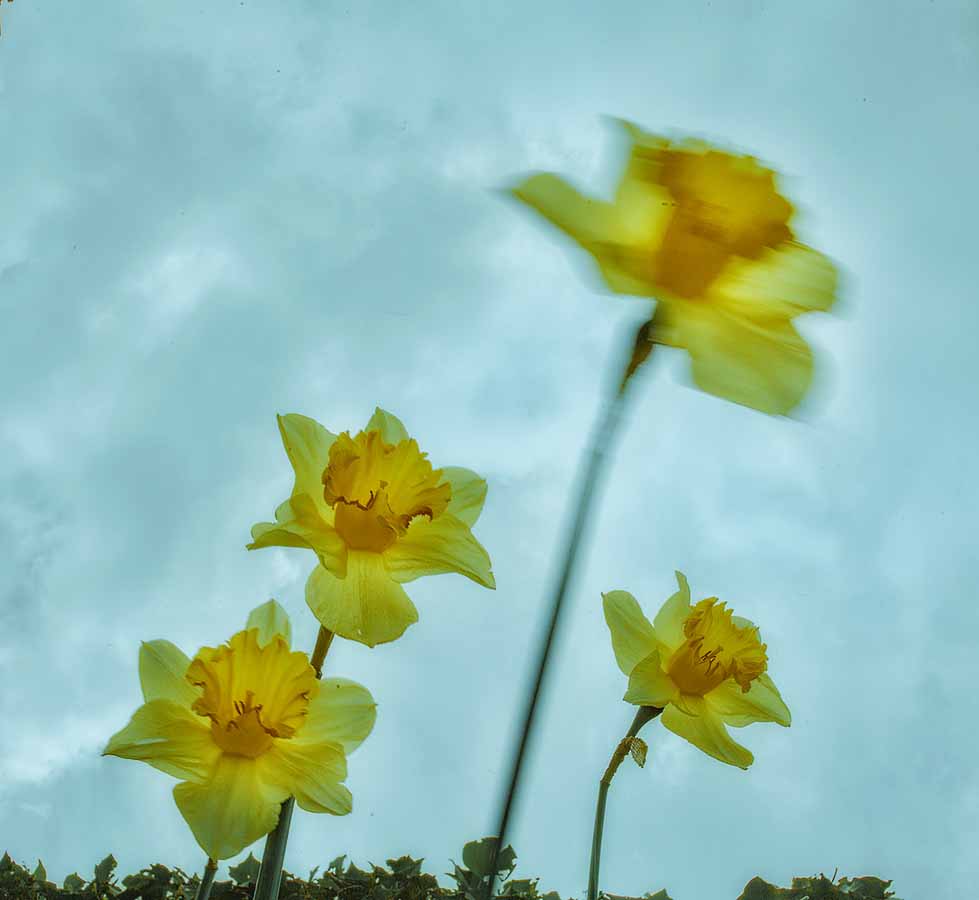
[(217, 212)]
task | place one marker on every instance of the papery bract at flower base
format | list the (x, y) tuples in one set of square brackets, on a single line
[(704, 666), (244, 726), (707, 234), (377, 515)]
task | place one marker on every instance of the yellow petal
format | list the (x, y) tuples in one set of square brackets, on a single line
[(582, 218), (311, 773), (436, 546), (707, 732), (762, 703), (649, 685), (672, 614), (301, 525), (162, 667), (168, 737), (613, 234), (233, 809), (307, 444), (763, 363), (343, 713), (468, 493), (785, 282), (390, 426), (365, 606), (270, 619), (633, 638)]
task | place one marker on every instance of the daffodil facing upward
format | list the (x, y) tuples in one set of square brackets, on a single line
[(707, 234), (377, 514), (702, 665), (245, 726)]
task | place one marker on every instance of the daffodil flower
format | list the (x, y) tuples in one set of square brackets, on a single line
[(707, 234), (702, 665), (245, 726), (377, 515)]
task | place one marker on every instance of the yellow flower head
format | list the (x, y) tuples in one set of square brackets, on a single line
[(377, 514), (707, 234), (244, 726), (701, 664)]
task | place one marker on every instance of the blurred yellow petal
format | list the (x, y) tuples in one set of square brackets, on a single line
[(468, 493), (300, 525), (782, 283), (672, 614), (436, 546), (762, 364), (310, 772), (366, 606), (270, 619), (586, 220), (649, 685), (707, 732), (170, 738), (761, 703), (162, 671), (233, 809), (390, 426), (633, 638), (307, 444), (342, 713)]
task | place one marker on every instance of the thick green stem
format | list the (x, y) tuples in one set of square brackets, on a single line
[(643, 715), (207, 879), (638, 350), (270, 872)]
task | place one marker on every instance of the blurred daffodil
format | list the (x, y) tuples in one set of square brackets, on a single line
[(707, 234), (377, 515), (704, 666), (245, 725)]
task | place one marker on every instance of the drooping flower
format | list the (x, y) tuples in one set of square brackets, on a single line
[(707, 234), (245, 726), (377, 515), (701, 664)]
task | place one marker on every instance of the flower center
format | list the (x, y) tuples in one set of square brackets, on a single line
[(725, 206), (252, 695), (376, 489), (715, 649)]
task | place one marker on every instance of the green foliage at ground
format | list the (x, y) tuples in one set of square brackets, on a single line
[(399, 879)]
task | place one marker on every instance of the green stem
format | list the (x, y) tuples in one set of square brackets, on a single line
[(608, 424), (643, 715), (207, 879), (270, 872)]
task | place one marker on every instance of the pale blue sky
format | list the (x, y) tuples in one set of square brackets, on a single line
[(217, 212)]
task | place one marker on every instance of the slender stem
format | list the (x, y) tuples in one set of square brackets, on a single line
[(207, 879), (602, 438), (643, 715), (270, 871), (323, 641)]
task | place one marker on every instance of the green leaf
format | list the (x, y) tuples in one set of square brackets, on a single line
[(337, 865), (39, 874), (74, 883), (104, 870), (478, 857), (358, 876), (521, 887), (246, 871), (405, 866)]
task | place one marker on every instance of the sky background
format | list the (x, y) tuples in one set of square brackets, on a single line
[(217, 212)]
